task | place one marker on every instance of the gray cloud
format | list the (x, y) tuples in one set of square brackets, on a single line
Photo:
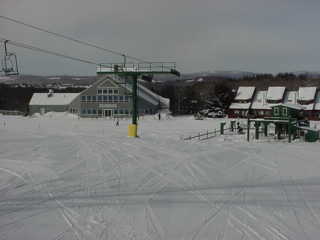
[(249, 35)]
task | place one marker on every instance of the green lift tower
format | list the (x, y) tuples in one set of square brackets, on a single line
[(134, 71)]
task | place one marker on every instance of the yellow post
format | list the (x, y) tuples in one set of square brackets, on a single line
[(132, 130)]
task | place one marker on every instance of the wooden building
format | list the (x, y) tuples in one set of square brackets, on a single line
[(242, 102)]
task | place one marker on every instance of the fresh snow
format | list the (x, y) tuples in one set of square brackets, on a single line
[(54, 99), (67, 178), (245, 93), (275, 93), (236, 105), (307, 93)]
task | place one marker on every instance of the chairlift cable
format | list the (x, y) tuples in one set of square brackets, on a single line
[(33, 48), (73, 39)]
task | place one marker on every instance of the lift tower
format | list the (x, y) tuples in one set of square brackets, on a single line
[(134, 71)]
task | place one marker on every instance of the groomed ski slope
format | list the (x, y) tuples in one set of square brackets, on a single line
[(68, 178)]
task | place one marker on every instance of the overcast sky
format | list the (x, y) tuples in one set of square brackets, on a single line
[(200, 35)]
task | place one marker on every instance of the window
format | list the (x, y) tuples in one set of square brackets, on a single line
[(110, 91), (88, 98), (99, 112), (284, 111), (105, 98), (110, 98), (89, 111), (115, 111), (84, 111), (126, 111), (120, 111), (94, 111), (276, 111), (100, 91), (99, 98), (93, 98), (105, 91), (115, 91), (126, 98), (115, 98), (83, 98)]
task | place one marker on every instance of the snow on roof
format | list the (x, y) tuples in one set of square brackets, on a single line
[(240, 106), (260, 101), (294, 106), (307, 93), (317, 103), (54, 99), (275, 93), (291, 97), (245, 93), (164, 101)]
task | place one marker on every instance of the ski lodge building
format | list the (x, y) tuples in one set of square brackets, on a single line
[(109, 96), (260, 102)]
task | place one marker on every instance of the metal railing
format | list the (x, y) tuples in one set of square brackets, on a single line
[(11, 112), (211, 134), (154, 67)]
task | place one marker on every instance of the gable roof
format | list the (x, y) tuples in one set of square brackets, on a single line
[(245, 93), (275, 93), (307, 93), (317, 102), (54, 99), (260, 100)]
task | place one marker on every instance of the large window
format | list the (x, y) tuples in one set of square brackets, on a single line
[(88, 98), (94, 111), (126, 98), (120, 98), (99, 98), (93, 98), (115, 98), (110, 98), (105, 98), (83, 98)]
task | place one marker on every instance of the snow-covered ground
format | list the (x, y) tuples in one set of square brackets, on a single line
[(67, 178)]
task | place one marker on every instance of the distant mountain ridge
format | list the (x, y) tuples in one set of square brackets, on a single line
[(81, 81), (45, 81)]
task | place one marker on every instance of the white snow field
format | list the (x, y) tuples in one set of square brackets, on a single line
[(67, 178)]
